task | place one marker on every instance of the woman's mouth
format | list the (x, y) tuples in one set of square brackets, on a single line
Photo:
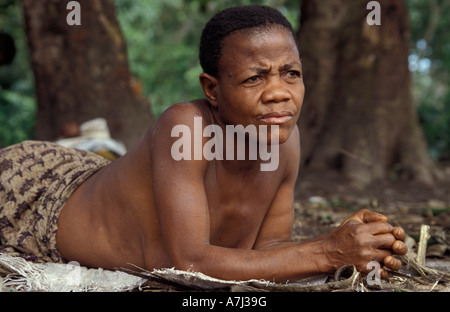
[(276, 118)]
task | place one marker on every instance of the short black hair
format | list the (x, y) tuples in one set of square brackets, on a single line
[(232, 19)]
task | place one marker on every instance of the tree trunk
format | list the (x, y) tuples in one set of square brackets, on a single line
[(358, 115), (81, 71)]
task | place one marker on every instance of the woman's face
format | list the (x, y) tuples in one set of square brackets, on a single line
[(260, 80)]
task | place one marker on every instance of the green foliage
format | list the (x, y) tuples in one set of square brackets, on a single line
[(430, 64), (17, 104), (435, 120), (162, 40), (17, 115)]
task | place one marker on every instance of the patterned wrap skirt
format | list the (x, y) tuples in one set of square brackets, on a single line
[(36, 180)]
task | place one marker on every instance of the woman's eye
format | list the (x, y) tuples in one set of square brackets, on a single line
[(253, 79), (294, 74)]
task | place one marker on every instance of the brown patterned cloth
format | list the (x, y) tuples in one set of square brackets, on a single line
[(36, 179)]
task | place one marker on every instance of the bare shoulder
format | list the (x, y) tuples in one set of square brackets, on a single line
[(177, 114), (183, 112), (175, 123)]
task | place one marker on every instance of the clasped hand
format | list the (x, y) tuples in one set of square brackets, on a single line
[(367, 236)]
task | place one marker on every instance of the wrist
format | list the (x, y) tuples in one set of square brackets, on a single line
[(328, 254), (316, 257)]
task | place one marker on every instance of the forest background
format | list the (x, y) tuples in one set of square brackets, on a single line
[(158, 33)]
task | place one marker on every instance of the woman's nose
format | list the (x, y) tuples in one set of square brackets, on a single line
[(276, 91)]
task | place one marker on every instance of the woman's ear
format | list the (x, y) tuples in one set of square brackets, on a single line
[(209, 85)]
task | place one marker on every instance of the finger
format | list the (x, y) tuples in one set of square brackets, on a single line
[(381, 254), (351, 221), (384, 241), (399, 248), (392, 263), (383, 273), (368, 216), (399, 233), (377, 228), (365, 216)]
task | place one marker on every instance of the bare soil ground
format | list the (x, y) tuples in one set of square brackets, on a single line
[(325, 199)]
